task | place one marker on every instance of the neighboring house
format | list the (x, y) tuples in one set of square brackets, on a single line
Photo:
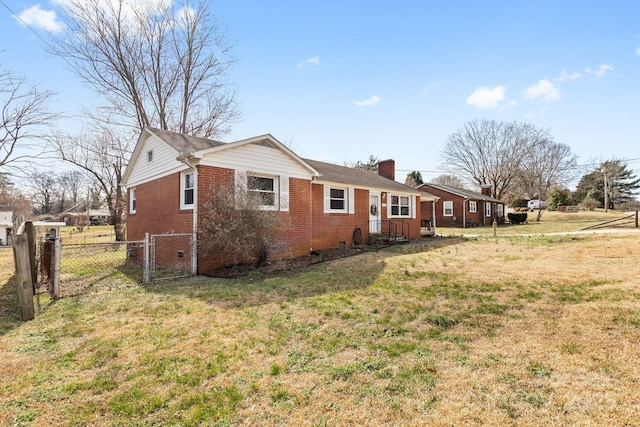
[(6, 226), (462, 208), (96, 217), (325, 206)]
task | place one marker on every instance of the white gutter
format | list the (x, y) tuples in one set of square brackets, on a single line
[(194, 244)]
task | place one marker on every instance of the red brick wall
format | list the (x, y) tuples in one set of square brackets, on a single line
[(293, 240), (158, 209), (330, 230)]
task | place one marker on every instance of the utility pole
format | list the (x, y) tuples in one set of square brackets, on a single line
[(606, 191)]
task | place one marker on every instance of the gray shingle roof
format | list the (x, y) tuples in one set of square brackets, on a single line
[(349, 175), (184, 143), (461, 192), (328, 171)]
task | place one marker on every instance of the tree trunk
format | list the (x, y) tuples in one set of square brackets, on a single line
[(539, 215)]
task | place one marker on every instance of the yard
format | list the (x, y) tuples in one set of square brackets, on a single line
[(537, 330)]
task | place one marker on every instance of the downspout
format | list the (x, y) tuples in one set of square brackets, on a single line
[(194, 237), (311, 215), (465, 206), (433, 215)]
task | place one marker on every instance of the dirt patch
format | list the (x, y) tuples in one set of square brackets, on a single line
[(289, 264)]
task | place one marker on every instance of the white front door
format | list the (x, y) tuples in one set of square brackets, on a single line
[(374, 214)]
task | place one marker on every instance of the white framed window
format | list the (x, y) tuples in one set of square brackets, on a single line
[(400, 206), (473, 206), (447, 208), (132, 201), (265, 189), (338, 199), (187, 190), (500, 210), (487, 208)]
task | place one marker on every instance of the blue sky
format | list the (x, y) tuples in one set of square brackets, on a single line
[(338, 81)]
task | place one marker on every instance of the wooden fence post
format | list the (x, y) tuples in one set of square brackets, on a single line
[(24, 280)]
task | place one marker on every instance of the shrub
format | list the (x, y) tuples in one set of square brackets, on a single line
[(517, 218), (519, 203)]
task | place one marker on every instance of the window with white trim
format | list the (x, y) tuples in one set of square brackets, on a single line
[(338, 199), (500, 210), (265, 189), (187, 190), (473, 206), (447, 208), (487, 208), (132, 201), (400, 206)]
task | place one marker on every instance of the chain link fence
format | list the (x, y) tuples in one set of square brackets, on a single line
[(171, 256), (66, 270)]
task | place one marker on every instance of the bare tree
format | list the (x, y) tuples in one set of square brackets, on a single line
[(490, 152), (11, 199), (450, 180), (43, 187), (102, 154), (545, 164), (24, 113), (153, 62), (73, 182)]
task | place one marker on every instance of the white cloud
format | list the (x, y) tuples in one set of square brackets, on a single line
[(565, 75), (484, 97), (430, 87), (544, 90), (39, 18), (373, 100), (601, 71), (314, 60)]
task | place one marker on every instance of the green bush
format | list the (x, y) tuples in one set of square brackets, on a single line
[(517, 218), (519, 203)]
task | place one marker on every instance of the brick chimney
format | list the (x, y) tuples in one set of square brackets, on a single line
[(387, 168), (486, 189)]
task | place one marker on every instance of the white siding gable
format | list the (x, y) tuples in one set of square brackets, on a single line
[(258, 158), (163, 163)]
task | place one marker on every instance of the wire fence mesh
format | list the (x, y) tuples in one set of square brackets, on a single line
[(97, 267), (171, 256)]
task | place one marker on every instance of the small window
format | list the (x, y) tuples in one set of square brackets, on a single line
[(264, 188), (487, 208), (500, 210), (337, 199), (187, 190), (132, 200), (473, 206), (447, 208), (400, 206), (150, 156)]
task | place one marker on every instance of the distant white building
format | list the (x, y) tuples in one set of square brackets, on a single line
[(6, 225)]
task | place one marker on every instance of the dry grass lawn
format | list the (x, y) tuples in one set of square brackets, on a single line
[(508, 331)]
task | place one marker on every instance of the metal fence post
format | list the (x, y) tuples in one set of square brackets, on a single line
[(147, 263), (57, 251)]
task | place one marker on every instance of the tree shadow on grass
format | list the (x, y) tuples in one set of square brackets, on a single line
[(259, 288), (9, 307)]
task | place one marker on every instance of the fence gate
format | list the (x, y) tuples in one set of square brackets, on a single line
[(171, 256)]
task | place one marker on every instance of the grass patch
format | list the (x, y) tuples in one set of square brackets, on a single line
[(488, 331)]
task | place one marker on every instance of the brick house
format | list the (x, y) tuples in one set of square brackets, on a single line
[(457, 207), (325, 205)]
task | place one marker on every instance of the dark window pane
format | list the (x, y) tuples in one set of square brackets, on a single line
[(394, 210), (337, 204), (188, 197), (404, 211), (337, 193)]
